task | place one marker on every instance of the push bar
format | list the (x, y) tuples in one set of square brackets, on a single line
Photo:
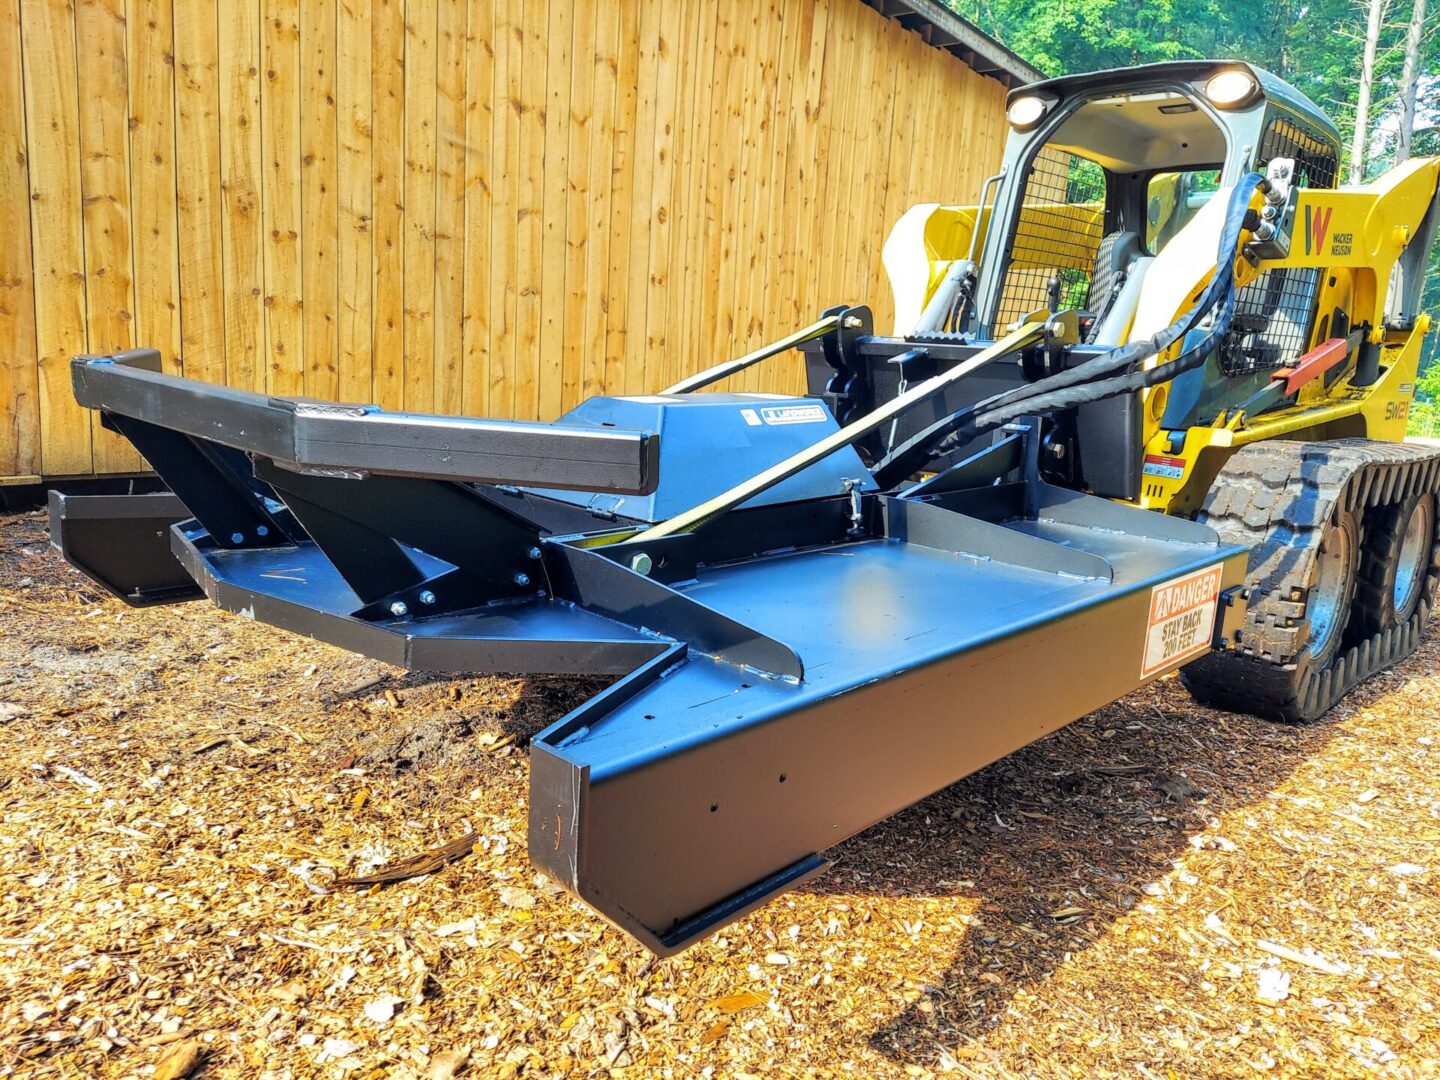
[(356, 440), (1026, 335), (819, 328)]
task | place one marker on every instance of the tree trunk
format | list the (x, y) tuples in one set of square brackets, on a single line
[(1361, 137), (1409, 79)]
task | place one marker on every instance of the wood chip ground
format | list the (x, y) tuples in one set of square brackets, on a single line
[(1159, 890)]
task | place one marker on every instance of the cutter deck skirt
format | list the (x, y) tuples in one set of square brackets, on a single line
[(921, 665)]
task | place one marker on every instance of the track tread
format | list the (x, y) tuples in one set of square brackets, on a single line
[(1277, 498)]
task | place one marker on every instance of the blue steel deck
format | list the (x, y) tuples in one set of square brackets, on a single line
[(921, 666), (864, 611), (289, 587)]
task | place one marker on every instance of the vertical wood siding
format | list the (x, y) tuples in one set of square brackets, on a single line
[(437, 205)]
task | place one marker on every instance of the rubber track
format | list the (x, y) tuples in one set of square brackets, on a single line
[(1277, 497)]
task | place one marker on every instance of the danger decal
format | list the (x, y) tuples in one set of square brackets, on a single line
[(1182, 620)]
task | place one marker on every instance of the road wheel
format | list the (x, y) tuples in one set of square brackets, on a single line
[(1399, 565), (1331, 588)]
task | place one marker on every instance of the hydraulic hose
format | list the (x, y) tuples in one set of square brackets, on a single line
[(1095, 379)]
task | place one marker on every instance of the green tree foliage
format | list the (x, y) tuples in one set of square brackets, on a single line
[(1314, 44)]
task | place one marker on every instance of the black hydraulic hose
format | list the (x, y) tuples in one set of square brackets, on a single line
[(1099, 389), (1219, 296), (1088, 381)]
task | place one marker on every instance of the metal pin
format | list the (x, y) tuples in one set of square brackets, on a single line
[(857, 518)]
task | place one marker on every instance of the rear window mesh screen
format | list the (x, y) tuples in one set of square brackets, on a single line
[(1273, 312), (1272, 321), (1052, 249), (1315, 160)]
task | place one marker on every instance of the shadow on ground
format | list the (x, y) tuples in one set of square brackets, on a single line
[(1084, 819)]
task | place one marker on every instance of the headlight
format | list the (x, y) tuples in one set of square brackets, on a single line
[(1025, 112), (1230, 89)]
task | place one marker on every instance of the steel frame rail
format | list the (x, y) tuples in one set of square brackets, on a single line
[(356, 440)]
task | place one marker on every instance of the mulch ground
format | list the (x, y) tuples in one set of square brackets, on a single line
[(1159, 890)]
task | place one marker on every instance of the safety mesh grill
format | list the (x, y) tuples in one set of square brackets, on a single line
[(1056, 235), (1272, 321), (1315, 161), (1273, 312)]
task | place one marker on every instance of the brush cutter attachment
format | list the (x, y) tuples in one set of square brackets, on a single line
[(801, 654)]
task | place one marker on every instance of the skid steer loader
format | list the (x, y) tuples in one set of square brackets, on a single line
[(1141, 411)]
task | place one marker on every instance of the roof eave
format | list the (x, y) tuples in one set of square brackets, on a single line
[(942, 29)]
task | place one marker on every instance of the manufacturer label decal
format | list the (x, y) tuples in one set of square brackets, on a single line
[(1317, 224), (751, 417), (1182, 619), (1172, 468), (792, 414)]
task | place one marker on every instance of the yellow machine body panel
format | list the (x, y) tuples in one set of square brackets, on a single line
[(1355, 235), (923, 245)]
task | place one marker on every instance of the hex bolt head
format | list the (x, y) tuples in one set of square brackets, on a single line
[(237, 538), (399, 610), (641, 563), (522, 580), (427, 597), (262, 530), (534, 553), (853, 322)]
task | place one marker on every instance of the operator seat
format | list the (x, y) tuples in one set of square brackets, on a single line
[(1120, 265)]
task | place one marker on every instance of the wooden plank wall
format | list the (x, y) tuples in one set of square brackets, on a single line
[(440, 205)]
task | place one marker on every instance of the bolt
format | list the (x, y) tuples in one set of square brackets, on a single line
[(853, 322), (522, 580), (1057, 329), (641, 563), (237, 538), (427, 597), (534, 553), (262, 530), (399, 610)]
